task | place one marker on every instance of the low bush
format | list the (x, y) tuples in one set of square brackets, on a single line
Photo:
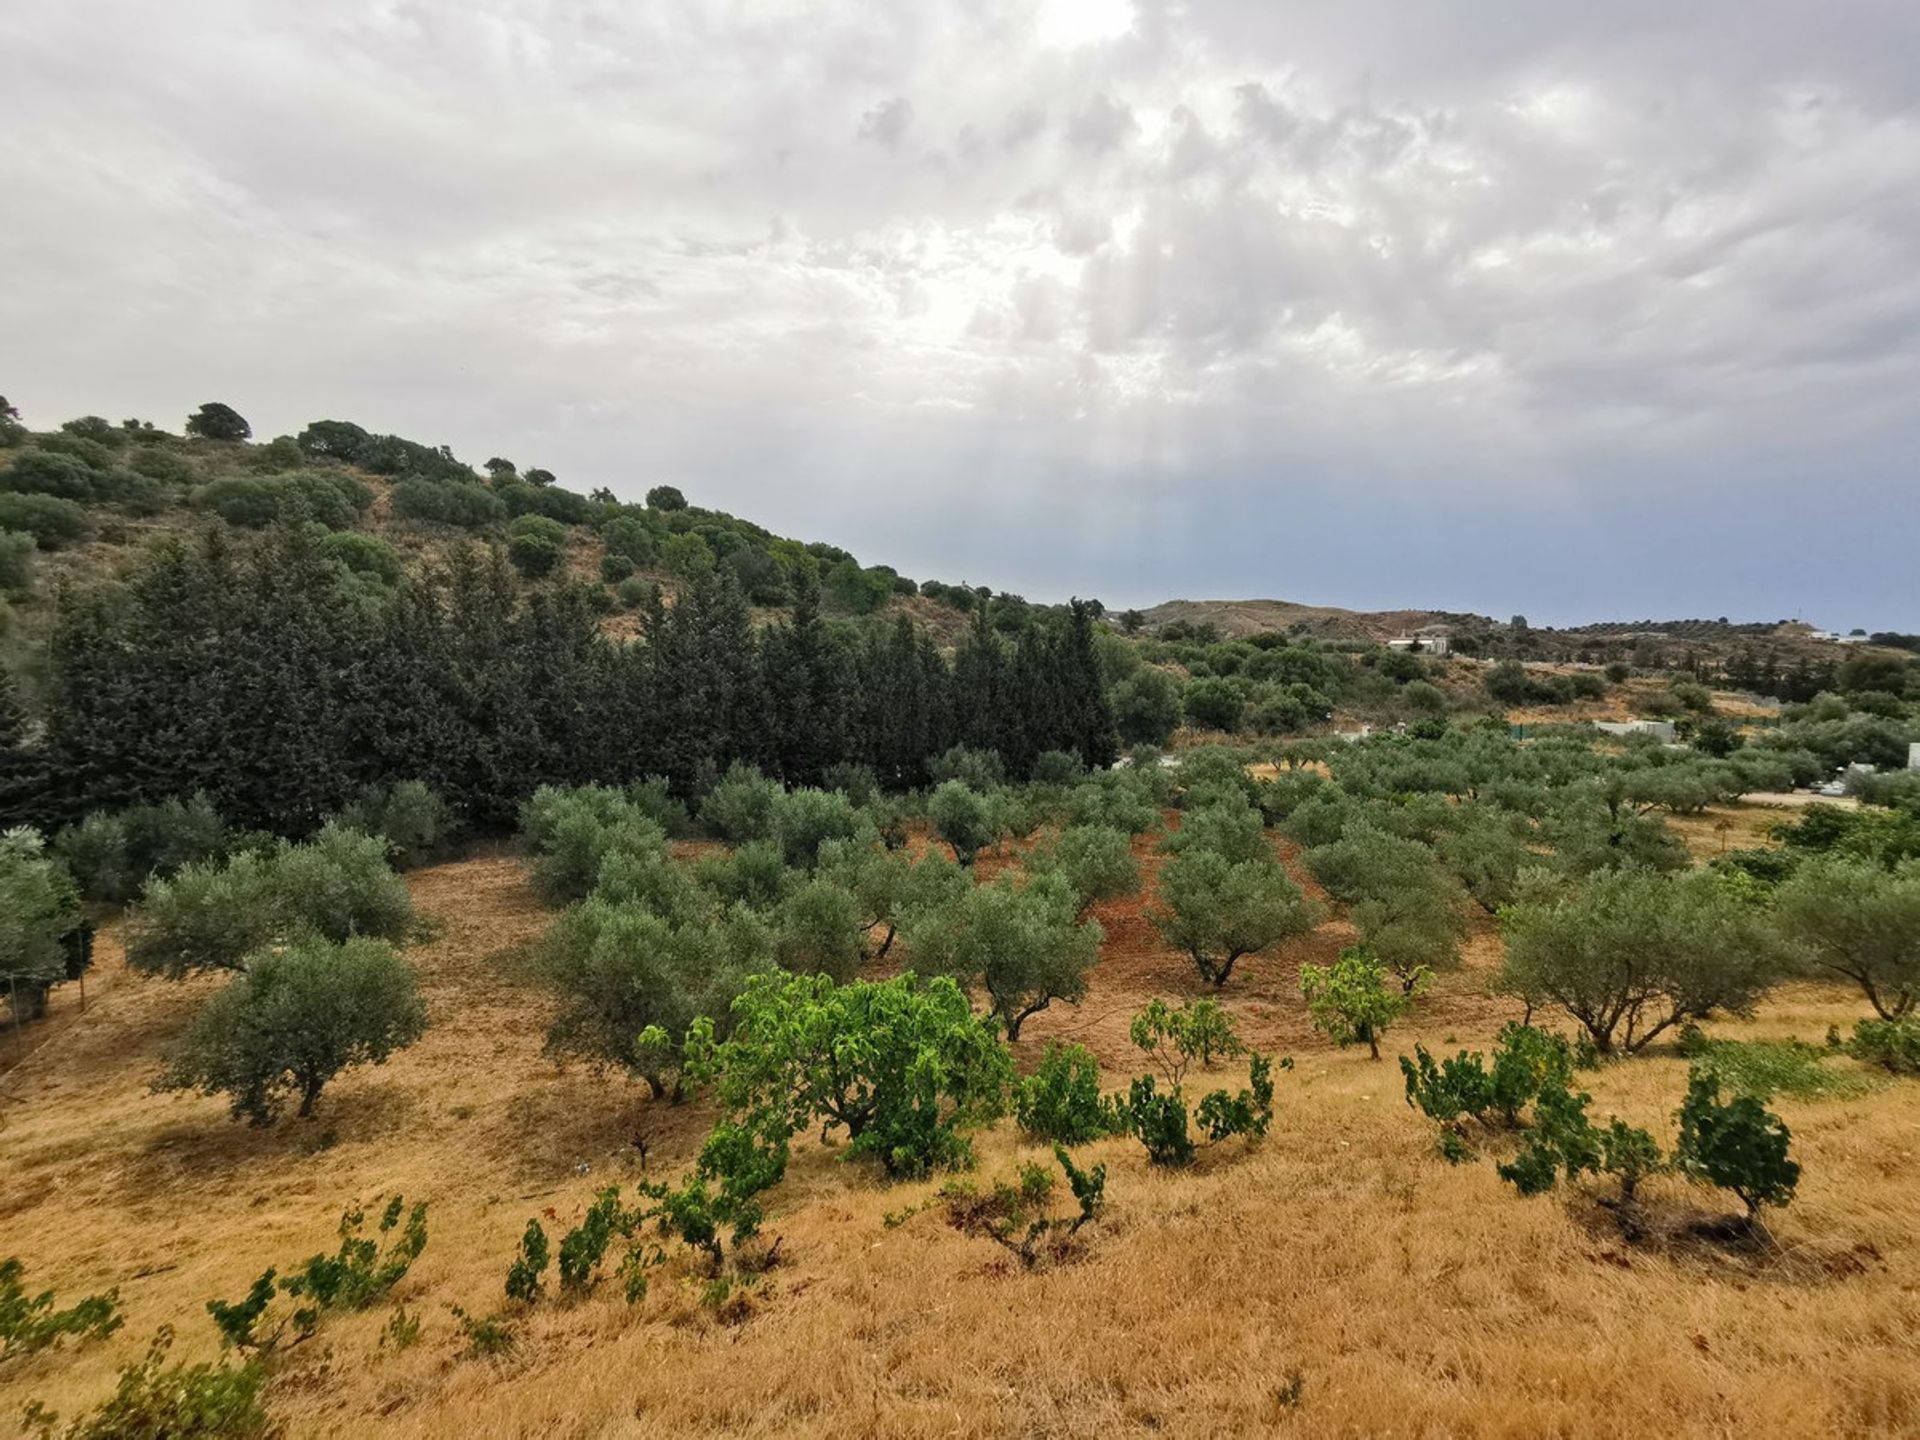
[(29, 1323), (158, 1401), (1891, 1044), (112, 854), (418, 826), (1737, 1145), (1014, 1215), (903, 1066), (1199, 1030), (1061, 1100), (54, 523), (359, 1273)]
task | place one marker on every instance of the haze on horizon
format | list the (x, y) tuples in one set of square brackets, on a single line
[(1585, 312)]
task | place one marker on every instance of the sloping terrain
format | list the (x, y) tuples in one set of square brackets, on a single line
[(1339, 1278)]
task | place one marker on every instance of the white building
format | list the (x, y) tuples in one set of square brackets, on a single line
[(1423, 644), (1661, 729), (1913, 756)]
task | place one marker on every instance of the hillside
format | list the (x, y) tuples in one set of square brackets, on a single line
[(1336, 1279)]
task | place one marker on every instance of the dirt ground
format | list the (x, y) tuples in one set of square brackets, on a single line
[(1337, 1279)]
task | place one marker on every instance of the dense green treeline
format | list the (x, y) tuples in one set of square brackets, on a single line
[(259, 675)]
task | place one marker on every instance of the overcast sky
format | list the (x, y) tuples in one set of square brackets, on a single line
[(1581, 310)]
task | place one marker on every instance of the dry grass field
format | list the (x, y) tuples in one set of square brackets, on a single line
[(1339, 1279)]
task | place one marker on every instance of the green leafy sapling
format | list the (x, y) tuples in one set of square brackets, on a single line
[(1223, 1114), (1160, 1122), (361, 1271), (33, 1322), (1737, 1145), (1175, 1039), (526, 1275), (1061, 1100), (1014, 1215), (1351, 1002)]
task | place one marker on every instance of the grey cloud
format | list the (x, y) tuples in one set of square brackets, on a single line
[(886, 124), (1241, 269), (1101, 124)]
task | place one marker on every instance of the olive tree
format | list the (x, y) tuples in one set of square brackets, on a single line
[(631, 982), (1096, 861), (1859, 920), (1025, 944), (1634, 953), (39, 916), (295, 1019), (1218, 910), (214, 915), (962, 817)]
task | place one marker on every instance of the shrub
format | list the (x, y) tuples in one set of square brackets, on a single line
[(42, 472), (962, 817), (1737, 1145), (457, 503), (534, 555), (1219, 911), (357, 1275), (366, 555), (1224, 1114), (628, 539), (1114, 801), (666, 497), (1061, 1100), (1160, 1122), (295, 1019), (1014, 1215), (1525, 1063), (1635, 953), (904, 1068), (156, 462), (980, 770), (1350, 1000), (33, 1322), (575, 832), (51, 521), (1214, 704), (1892, 1044), (209, 915), (1229, 828), (217, 421), (615, 568), (157, 1401), (525, 1274), (339, 886), (1025, 944), (1174, 1039), (756, 874), (16, 562), (818, 928)]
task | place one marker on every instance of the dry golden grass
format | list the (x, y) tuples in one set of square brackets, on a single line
[(1339, 1279)]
